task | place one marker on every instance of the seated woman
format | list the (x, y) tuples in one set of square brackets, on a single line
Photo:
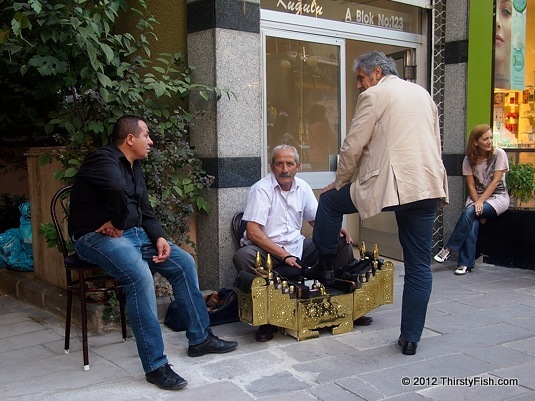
[(484, 169)]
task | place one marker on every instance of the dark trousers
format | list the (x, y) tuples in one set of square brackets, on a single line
[(415, 225), (244, 258)]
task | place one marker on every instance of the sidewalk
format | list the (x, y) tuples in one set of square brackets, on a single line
[(480, 327)]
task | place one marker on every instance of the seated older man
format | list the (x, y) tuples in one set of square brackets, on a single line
[(276, 207)]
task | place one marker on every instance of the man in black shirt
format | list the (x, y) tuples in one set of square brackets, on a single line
[(113, 225)]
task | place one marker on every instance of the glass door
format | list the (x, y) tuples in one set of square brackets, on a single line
[(303, 101)]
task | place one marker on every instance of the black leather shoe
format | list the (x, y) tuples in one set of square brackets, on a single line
[(363, 321), (265, 332), (407, 347), (165, 378), (320, 272), (212, 345)]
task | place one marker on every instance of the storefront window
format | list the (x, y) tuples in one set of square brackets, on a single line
[(303, 100), (514, 74)]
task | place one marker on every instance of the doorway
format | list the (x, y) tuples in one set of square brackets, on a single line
[(380, 229), (310, 98)]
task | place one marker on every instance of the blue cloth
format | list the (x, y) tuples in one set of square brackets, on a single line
[(26, 228), (464, 236), (129, 259), (415, 225), (16, 243)]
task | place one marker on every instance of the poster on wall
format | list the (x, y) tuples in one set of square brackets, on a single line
[(510, 40)]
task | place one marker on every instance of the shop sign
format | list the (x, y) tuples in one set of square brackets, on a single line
[(300, 7), (510, 44), (337, 11), (375, 18)]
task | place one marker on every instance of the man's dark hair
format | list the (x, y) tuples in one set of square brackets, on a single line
[(125, 125)]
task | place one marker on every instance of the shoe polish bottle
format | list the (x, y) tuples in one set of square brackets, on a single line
[(292, 292), (285, 288)]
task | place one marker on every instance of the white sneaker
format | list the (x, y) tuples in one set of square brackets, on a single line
[(461, 270), (443, 255)]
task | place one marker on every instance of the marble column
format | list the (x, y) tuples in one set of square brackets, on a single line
[(224, 47), (455, 107)]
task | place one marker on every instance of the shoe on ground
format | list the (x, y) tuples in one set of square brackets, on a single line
[(407, 347), (165, 378), (443, 255), (462, 270), (363, 321), (212, 345), (265, 332)]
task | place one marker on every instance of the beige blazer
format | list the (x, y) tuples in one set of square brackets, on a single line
[(392, 152)]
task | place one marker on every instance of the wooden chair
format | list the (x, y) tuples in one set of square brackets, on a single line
[(238, 227), (59, 210)]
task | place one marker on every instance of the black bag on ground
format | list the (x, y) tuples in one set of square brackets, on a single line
[(222, 308)]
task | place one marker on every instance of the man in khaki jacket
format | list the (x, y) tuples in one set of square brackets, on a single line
[(391, 161)]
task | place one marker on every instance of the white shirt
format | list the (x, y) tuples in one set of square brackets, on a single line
[(279, 213)]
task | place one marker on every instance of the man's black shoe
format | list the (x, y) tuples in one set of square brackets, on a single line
[(322, 271), (212, 345), (364, 321), (165, 378), (265, 332), (407, 347)]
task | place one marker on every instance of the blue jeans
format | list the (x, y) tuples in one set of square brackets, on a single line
[(415, 225), (129, 260), (464, 236)]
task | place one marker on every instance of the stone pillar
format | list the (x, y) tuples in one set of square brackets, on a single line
[(224, 47), (455, 107)]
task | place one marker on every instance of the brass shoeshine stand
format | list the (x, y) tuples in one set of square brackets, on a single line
[(278, 304)]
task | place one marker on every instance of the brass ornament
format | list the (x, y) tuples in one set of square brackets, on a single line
[(274, 301)]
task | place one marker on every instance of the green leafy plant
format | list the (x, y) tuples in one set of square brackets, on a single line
[(48, 231), (75, 64), (521, 181)]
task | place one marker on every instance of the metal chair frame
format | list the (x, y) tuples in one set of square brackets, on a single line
[(238, 227), (85, 272)]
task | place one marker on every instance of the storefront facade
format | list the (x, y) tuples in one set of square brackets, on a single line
[(290, 65), (282, 57), (513, 100), (309, 88)]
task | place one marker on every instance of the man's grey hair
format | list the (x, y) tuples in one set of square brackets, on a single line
[(374, 59), (280, 148)]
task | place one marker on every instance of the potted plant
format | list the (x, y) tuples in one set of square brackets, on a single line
[(521, 182)]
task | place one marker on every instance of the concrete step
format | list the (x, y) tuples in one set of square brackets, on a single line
[(24, 286)]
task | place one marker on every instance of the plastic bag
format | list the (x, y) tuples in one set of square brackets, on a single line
[(16, 243)]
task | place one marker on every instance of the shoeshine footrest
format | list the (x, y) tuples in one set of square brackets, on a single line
[(260, 302)]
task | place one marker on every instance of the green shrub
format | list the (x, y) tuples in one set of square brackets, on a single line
[(521, 181), (67, 57)]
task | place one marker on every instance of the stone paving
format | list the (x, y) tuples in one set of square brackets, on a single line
[(480, 333)]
